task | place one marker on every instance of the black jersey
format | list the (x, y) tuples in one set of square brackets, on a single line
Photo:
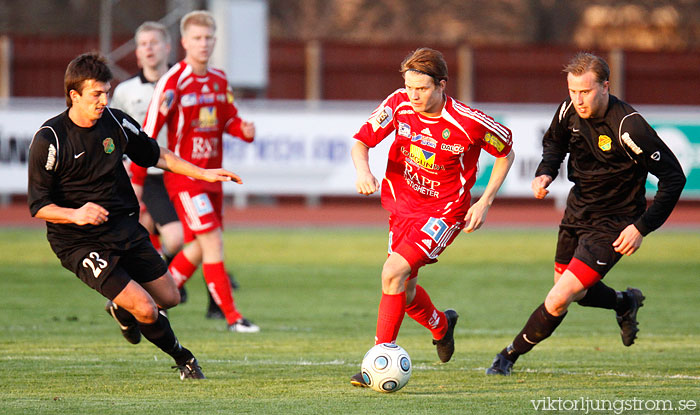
[(609, 160), (71, 165)]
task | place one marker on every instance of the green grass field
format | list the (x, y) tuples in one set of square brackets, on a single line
[(315, 295)]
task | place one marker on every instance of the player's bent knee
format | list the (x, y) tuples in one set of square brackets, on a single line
[(391, 283), (145, 312), (556, 303), (170, 301), (167, 298)]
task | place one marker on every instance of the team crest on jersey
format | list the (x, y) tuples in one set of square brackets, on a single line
[(446, 133), (604, 142), (108, 145), (207, 117), (494, 141), (422, 157)]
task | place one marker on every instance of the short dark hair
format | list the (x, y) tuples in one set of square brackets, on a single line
[(426, 61), (87, 66), (583, 62)]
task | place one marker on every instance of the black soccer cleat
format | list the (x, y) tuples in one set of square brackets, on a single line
[(215, 315), (129, 327), (213, 310), (500, 366), (235, 286), (358, 381), (628, 320), (190, 370), (446, 345), (183, 294)]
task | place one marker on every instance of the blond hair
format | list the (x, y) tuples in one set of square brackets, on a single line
[(198, 18), (153, 27)]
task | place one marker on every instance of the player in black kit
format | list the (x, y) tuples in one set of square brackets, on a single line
[(78, 185), (611, 151)]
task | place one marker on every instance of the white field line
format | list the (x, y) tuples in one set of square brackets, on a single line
[(303, 362), (600, 374)]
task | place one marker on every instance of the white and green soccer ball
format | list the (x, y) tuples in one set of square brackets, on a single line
[(386, 367)]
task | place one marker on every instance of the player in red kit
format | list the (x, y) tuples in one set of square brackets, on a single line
[(431, 168), (196, 103)]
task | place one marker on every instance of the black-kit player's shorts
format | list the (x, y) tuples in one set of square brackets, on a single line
[(108, 269), (157, 201), (592, 247)]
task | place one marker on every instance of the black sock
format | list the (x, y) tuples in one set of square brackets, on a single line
[(161, 334), (539, 326), (600, 296)]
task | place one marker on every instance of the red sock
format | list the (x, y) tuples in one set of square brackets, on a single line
[(181, 269), (424, 312), (155, 240), (392, 308), (220, 288)]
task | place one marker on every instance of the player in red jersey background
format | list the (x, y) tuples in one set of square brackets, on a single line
[(195, 102), (431, 168)]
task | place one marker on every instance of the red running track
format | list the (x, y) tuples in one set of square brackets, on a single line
[(358, 212)]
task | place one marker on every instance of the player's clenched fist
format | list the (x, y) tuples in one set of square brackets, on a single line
[(539, 186), (366, 184), (248, 130)]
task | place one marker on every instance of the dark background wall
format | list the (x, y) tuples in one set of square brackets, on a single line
[(517, 47)]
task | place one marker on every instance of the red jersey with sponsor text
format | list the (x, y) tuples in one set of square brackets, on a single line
[(196, 110), (433, 160)]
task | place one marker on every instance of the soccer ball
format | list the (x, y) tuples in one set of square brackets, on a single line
[(386, 367)]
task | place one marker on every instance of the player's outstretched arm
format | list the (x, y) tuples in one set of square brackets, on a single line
[(476, 215), (366, 183), (88, 214), (170, 162)]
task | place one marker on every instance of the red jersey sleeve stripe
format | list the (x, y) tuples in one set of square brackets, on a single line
[(502, 131)]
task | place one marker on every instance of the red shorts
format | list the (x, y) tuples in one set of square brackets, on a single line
[(199, 211), (421, 241)]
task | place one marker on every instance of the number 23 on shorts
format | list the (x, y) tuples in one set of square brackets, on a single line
[(94, 263)]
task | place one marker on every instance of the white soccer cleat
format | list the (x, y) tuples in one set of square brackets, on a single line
[(243, 325)]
